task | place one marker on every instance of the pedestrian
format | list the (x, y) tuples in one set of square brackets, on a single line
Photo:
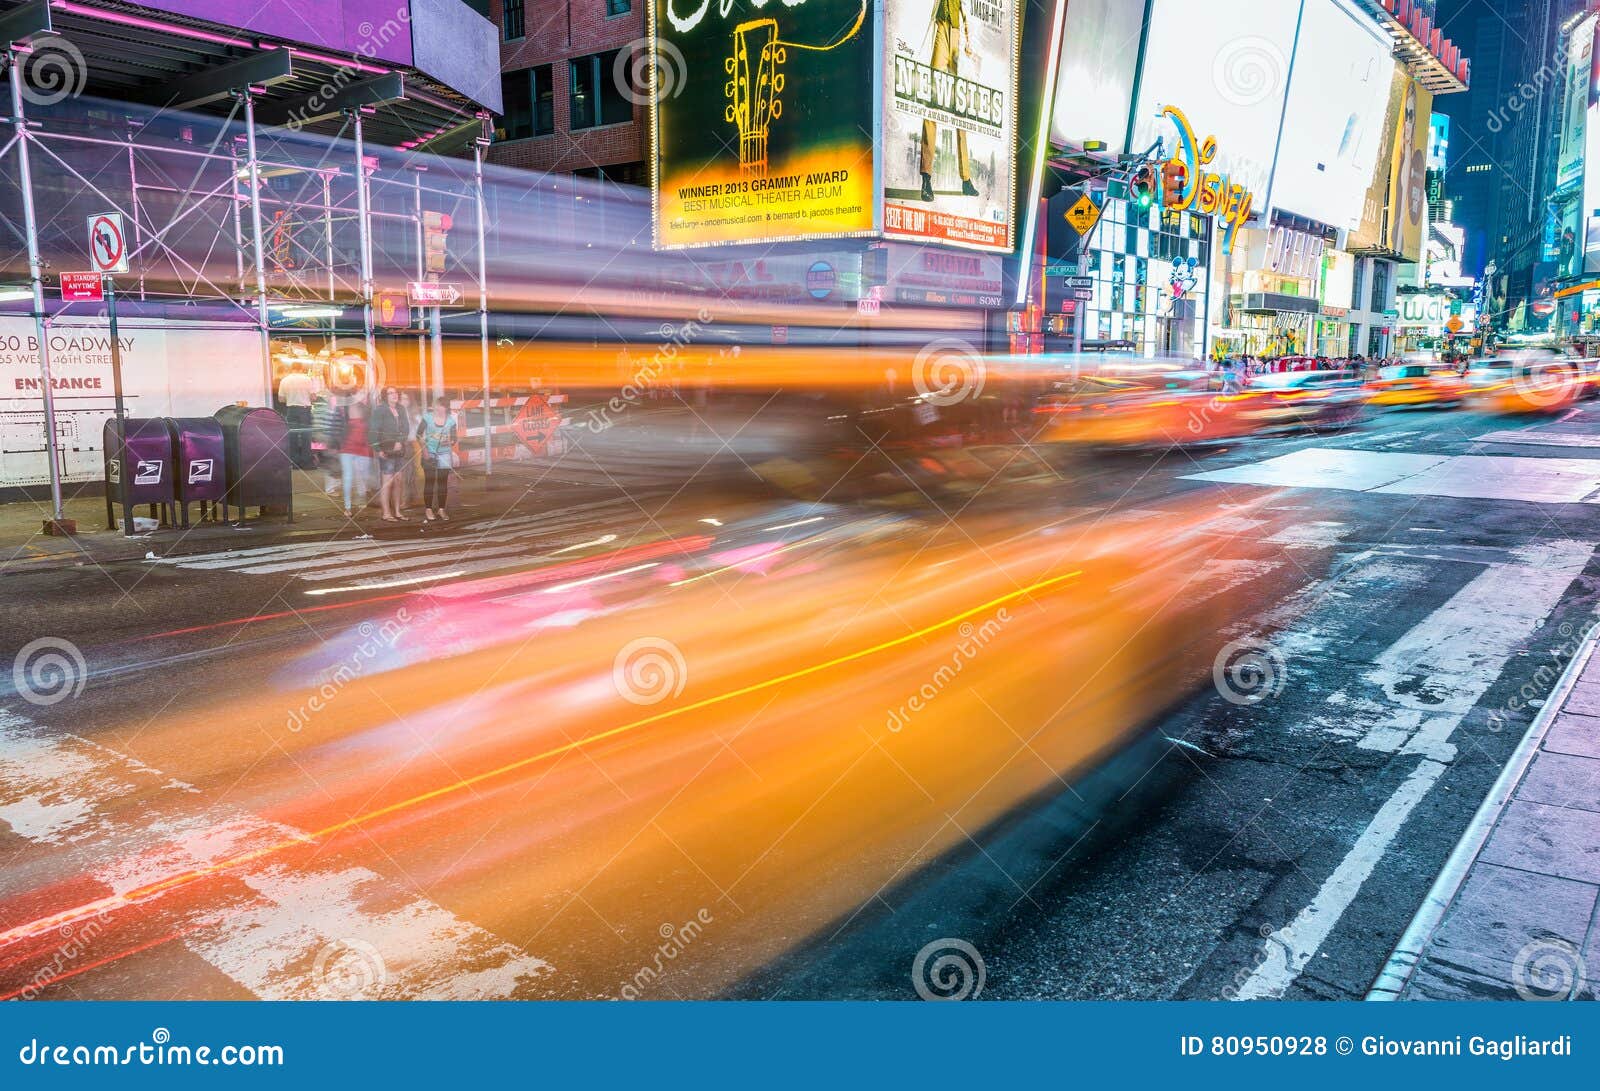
[(294, 391), (355, 457), (437, 436), (327, 435), (389, 434), (407, 489)]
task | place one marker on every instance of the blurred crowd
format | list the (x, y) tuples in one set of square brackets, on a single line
[(385, 450)]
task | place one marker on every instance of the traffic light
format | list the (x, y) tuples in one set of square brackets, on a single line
[(1174, 176), (435, 231), (1143, 187)]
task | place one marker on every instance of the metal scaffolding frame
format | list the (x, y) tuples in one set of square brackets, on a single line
[(249, 220)]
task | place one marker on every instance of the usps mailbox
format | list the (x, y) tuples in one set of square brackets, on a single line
[(255, 444), (199, 465), (138, 466)]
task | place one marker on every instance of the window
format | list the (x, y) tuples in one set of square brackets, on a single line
[(517, 122), (529, 97), (594, 95), (1358, 284), (512, 23), (544, 100), (618, 7), (1380, 285)]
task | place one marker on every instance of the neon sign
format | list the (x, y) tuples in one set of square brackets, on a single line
[(1206, 192)]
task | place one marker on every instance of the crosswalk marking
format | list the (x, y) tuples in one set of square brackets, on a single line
[(327, 931), (476, 547), (1477, 477)]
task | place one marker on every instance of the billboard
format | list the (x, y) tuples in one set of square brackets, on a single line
[(1368, 234), (1227, 69), (1575, 108), (950, 121), (762, 125), (1099, 62), (1408, 177), (1331, 140)]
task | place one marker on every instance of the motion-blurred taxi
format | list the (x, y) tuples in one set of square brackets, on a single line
[(1544, 386), (1306, 399), (1417, 384), (1168, 407)]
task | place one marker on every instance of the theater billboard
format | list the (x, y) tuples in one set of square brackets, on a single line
[(819, 119)]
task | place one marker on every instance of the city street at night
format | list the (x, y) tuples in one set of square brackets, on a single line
[(1058, 535), (216, 824)]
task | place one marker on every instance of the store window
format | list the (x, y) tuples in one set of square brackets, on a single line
[(593, 96), (513, 23)]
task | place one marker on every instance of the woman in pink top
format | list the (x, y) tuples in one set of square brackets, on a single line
[(355, 456)]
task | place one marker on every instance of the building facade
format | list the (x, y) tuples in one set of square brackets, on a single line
[(570, 79)]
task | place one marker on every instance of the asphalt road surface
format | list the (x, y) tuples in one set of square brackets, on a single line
[(1401, 598)]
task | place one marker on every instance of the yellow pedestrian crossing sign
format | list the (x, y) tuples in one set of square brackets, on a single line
[(1083, 215)]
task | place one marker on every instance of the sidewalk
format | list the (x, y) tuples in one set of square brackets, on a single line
[(317, 514), (1516, 911)]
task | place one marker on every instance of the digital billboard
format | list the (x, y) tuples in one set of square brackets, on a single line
[(950, 121), (762, 126), (1368, 234), (1228, 71), (1099, 62), (1408, 178), (1580, 57), (1331, 140)]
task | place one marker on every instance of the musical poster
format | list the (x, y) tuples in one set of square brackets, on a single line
[(950, 121)]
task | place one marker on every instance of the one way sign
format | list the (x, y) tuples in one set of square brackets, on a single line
[(425, 293)]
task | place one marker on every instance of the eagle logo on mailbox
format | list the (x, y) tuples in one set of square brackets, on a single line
[(148, 472), (200, 470)]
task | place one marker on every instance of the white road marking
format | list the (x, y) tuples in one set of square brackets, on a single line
[(1536, 438), (125, 825), (1481, 477), (1432, 677)]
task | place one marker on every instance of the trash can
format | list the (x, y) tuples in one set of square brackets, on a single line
[(255, 456), (138, 466), (199, 471)]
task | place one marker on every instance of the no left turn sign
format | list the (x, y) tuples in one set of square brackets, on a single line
[(108, 248)]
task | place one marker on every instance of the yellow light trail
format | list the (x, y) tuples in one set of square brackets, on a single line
[(173, 882)]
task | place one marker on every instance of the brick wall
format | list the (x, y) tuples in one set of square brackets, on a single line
[(557, 30)]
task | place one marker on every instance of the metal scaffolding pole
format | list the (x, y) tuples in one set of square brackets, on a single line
[(362, 203), (41, 324), (483, 303), (253, 164)]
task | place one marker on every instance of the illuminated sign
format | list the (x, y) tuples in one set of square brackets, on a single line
[(950, 121), (1203, 191), (1434, 314), (761, 120)]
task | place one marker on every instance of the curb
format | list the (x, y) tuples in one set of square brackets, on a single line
[(1402, 961)]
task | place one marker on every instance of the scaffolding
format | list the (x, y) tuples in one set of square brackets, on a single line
[(245, 219)]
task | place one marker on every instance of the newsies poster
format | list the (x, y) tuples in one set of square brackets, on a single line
[(950, 121), (762, 123)]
